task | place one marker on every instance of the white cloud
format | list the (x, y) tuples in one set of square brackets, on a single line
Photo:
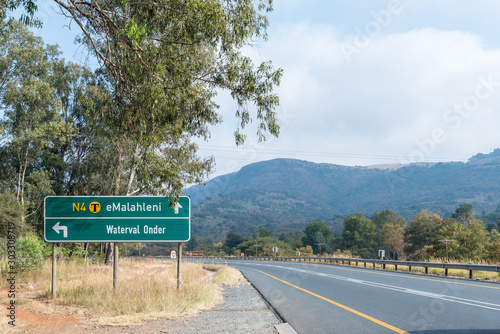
[(391, 96)]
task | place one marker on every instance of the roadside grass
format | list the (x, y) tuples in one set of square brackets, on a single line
[(147, 290), (224, 275)]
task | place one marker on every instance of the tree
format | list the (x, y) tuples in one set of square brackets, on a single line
[(392, 237), (11, 212), (493, 252), (32, 121), (233, 239), (264, 247), (387, 217), (165, 61), (465, 243), (359, 236), (263, 232), (421, 232), (317, 235), (294, 239), (464, 214)]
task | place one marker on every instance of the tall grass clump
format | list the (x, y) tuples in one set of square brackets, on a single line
[(144, 289)]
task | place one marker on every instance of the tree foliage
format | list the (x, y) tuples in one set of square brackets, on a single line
[(465, 243), (163, 64), (421, 232), (392, 238), (359, 236), (464, 214), (387, 217), (317, 235)]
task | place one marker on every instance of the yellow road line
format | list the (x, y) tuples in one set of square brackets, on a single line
[(381, 323), (338, 266)]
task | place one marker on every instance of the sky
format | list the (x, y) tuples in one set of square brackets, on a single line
[(365, 82)]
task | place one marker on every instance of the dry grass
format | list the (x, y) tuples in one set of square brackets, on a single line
[(146, 290), (224, 275)]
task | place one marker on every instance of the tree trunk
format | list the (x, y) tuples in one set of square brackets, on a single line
[(132, 171), (109, 249), (109, 252), (85, 248)]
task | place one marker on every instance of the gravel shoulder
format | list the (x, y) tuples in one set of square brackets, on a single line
[(243, 311)]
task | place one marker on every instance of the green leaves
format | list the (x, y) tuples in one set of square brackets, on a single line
[(166, 61)]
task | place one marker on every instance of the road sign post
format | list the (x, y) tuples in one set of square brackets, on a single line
[(179, 276), (275, 250), (54, 268)]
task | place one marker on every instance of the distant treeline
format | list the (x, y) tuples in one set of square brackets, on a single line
[(461, 237)]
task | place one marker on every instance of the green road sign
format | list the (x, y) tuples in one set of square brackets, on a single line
[(116, 219)]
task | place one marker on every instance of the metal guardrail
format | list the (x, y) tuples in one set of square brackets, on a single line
[(373, 262)]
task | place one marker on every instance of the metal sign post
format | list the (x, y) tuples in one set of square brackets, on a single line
[(179, 260), (275, 250), (115, 266), (54, 273)]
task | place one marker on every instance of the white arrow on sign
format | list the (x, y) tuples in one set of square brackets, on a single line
[(177, 207), (58, 228)]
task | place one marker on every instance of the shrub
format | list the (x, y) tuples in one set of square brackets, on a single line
[(29, 253)]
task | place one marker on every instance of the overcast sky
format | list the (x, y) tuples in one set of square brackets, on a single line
[(365, 82)]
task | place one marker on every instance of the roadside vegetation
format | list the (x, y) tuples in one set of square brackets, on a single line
[(462, 238), (147, 290)]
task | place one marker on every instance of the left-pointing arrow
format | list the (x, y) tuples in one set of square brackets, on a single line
[(58, 228)]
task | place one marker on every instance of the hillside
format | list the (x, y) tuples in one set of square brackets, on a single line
[(286, 194)]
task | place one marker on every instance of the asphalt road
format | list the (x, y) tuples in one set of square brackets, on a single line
[(319, 298)]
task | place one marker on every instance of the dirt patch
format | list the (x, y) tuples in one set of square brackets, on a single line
[(43, 324)]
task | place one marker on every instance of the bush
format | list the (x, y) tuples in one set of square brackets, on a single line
[(29, 253)]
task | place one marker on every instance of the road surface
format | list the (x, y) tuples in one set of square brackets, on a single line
[(320, 298)]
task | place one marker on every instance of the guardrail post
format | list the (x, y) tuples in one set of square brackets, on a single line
[(445, 271), (426, 270), (471, 275), (373, 265), (365, 264), (409, 269), (383, 266), (395, 267)]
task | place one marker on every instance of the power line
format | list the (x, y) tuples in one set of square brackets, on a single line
[(218, 148)]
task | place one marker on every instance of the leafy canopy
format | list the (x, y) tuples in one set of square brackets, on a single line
[(167, 59)]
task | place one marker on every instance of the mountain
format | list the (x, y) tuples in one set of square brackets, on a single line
[(285, 194)]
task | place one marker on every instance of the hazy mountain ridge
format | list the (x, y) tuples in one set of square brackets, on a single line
[(285, 194)]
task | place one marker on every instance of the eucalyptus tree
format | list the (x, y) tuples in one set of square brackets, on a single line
[(166, 61), (31, 120)]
